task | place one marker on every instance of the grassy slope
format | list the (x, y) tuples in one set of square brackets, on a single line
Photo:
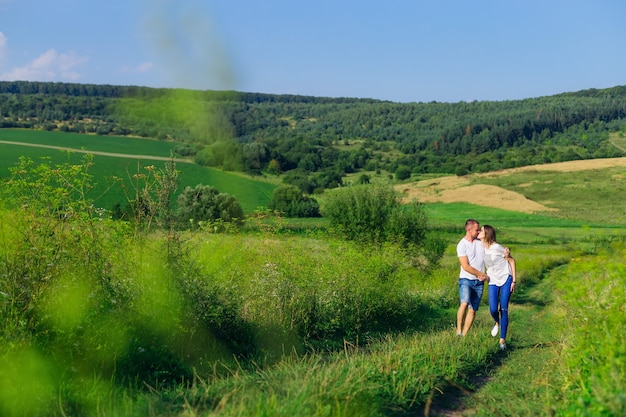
[(594, 196), (117, 144), (249, 192)]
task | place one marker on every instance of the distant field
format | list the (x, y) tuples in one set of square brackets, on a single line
[(590, 192), (250, 193), (117, 144), (571, 194)]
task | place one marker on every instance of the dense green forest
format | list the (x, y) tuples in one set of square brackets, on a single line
[(316, 141)]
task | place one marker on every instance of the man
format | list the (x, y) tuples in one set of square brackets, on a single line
[(471, 279)]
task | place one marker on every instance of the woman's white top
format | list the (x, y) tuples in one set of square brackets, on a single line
[(498, 267)]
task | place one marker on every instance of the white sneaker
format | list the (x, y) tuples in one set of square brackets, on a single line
[(502, 346), (494, 331)]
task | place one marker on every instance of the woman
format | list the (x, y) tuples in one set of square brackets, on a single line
[(502, 278)]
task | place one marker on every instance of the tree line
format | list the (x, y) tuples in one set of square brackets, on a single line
[(315, 141)]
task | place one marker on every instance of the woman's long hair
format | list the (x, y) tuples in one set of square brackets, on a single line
[(490, 234)]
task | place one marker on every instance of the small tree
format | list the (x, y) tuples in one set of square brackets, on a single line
[(288, 199), (364, 179), (375, 214), (273, 167), (403, 173), (204, 203)]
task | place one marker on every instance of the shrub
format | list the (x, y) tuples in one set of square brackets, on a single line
[(223, 154), (407, 223), (403, 173), (150, 196), (204, 203), (374, 214), (292, 202), (329, 179), (300, 180)]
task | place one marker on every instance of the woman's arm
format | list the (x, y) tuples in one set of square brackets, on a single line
[(511, 262)]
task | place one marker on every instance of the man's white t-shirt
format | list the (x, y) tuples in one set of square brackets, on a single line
[(475, 255)]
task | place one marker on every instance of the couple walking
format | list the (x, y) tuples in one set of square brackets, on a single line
[(478, 249)]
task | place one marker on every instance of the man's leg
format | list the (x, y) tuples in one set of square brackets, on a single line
[(464, 298), (469, 319), (460, 315), (476, 294)]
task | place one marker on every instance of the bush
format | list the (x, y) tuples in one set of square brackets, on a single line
[(329, 179), (300, 180), (206, 204), (374, 214), (223, 154), (188, 149), (292, 202), (407, 223), (403, 173)]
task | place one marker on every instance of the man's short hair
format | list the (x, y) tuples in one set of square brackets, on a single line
[(469, 223)]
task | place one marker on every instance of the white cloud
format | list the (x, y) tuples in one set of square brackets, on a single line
[(49, 66)]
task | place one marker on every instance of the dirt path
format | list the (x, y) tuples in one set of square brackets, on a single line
[(117, 155), (527, 372)]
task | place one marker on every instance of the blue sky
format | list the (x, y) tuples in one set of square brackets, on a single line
[(398, 50)]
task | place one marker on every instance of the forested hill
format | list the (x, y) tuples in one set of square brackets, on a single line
[(317, 140)]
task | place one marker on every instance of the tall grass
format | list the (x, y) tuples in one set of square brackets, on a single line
[(593, 290), (239, 325), (393, 376), (129, 314)]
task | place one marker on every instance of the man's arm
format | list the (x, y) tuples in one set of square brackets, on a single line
[(469, 268)]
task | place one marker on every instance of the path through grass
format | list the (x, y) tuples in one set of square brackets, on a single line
[(527, 381), (521, 380), (566, 346)]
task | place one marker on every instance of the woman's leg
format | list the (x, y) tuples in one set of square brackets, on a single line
[(494, 291), (505, 297)]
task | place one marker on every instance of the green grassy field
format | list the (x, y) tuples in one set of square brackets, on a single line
[(94, 143), (98, 320), (250, 193)]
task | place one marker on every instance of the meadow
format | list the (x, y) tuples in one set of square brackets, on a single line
[(98, 319), (118, 160)]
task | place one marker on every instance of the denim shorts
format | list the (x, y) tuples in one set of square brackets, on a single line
[(471, 292)]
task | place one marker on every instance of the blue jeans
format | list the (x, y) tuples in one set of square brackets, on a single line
[(471, 292), (500, 297)]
